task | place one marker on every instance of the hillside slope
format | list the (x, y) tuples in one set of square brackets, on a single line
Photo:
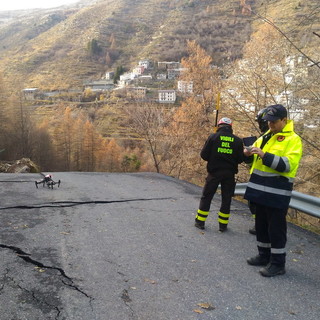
[(49, 48)]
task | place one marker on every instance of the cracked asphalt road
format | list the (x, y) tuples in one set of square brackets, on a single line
[(111, 246)]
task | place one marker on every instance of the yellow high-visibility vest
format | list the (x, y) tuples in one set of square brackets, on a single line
[(271, 180)]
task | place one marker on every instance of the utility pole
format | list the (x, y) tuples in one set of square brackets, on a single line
[(218, 102)]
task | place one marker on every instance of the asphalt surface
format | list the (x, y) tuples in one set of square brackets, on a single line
[(111, 246)]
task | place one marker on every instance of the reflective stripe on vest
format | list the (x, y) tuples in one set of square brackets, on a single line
[(281, 192), (270, 174), (285, 147), (277, 160)]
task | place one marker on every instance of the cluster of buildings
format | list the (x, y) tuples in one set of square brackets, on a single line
[(293, 71), (160, 82), (157, 82), (142, 81)]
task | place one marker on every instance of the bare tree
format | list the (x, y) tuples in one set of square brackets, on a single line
[(148, 121), (273, 71), (193, 120), (199, 70), (4, 128), (21, 127)]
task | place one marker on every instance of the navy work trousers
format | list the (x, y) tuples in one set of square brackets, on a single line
[(271, 228), (227, 181)]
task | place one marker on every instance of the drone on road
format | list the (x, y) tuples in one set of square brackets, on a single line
[(47, 181)]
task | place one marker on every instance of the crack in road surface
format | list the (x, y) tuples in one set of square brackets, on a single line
[(38, 300), (63, 204), (18, 181), (26, 257), (126, 299), (66, 280)]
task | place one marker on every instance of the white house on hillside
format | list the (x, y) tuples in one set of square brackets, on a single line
[(167, 96), (109, 75), (126, 79), (144, 63), (30, 93), (161, 76), (185, 86), (175, 73)]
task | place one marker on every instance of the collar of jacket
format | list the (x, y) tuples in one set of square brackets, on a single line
[(225, 129), (288, 128)]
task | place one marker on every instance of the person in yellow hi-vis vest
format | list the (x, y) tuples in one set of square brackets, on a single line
[(275, 160), (223, 152), (263, 126)]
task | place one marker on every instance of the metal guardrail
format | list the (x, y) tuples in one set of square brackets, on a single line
[(299, 201)]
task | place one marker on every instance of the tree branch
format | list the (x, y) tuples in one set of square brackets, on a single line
[(314, 63)]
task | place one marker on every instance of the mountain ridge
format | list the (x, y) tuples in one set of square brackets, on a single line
[(48, 48)]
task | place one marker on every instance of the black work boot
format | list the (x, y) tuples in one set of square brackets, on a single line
[(272, 270), (223, 227), (258, 260), (253, 230), (199, 224)]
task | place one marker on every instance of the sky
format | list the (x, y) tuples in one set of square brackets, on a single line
[(31, 4)]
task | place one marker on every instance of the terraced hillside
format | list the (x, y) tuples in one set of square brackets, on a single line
[(52, 49), (49, 49)]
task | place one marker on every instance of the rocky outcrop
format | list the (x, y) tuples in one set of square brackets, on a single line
[(23, 165)]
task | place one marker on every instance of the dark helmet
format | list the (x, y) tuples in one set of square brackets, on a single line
[(263, 124)]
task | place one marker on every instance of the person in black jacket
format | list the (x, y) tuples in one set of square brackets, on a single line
[(223, 152)]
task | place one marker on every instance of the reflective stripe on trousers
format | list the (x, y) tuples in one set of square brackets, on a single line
[(223, 217), (202, 215)]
